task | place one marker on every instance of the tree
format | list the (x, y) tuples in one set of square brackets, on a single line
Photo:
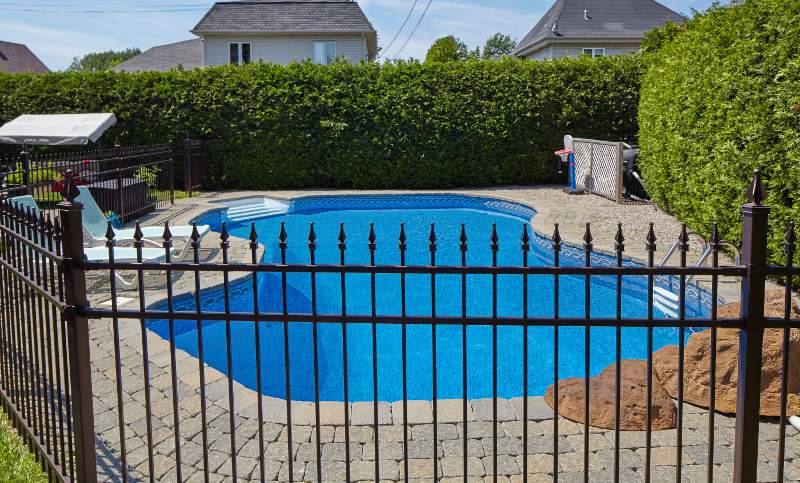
[(447, 49), (498, 45), (102, 61)]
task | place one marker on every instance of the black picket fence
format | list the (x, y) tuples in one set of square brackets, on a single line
[(127, 181), (45, 325)]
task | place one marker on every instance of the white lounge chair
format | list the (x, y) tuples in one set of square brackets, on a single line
[(100, 253), (95, 225)]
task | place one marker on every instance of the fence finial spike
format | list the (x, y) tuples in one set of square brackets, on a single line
[(619, 239), (790, 243), (342, 237), (494, 238), (587, 236), (109, 231), (195, 236), (312, 237), (253, 234), (137, 233), (167, 233), (651, 238), (756, 192), (525, 238), (432, 238), (371, 236), (556, 236), (714, 239), (223, 233), (683, 238), (402, 237), (69, 191)]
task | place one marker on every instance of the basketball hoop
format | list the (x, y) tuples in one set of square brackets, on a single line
[(564, 155), (567, 156)]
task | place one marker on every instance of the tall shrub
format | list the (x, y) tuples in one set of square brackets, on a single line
[(405, 125), (720, 98)]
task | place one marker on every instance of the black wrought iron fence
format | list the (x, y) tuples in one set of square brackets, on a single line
[(211, 427), (126, 181)]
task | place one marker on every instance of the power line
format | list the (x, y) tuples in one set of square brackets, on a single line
[(414, 30), (386, 49), (30, 10)]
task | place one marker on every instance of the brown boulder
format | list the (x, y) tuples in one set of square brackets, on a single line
[(633, 399), (696, 363)]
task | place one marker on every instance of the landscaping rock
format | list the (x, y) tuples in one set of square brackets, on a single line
[(633, 399), (696, 363)]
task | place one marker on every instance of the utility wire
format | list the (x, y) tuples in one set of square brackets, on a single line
[(415, 29), (32, 10), (386, 49)]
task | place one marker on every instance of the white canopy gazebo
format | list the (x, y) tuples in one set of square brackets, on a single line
[(56, 129)]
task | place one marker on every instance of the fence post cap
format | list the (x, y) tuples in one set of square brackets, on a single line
[(69, 190), (756, 192)]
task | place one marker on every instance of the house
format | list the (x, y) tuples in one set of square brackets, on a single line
[(186, 55), (15, 58), (571, 28), (276, 31)]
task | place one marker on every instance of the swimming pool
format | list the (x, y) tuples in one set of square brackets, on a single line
[(417, 212)]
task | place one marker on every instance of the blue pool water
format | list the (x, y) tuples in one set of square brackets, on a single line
[(418, 212)]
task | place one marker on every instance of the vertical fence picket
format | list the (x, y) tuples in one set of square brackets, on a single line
[(650, 247), (345, 369), (556, 262), (587, 309), (789, 248), (715, 245), (373, 311)]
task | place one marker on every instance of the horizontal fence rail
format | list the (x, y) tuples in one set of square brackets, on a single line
[(211, 365)]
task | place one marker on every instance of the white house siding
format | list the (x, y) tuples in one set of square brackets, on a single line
[(558, 51), (284, 49)]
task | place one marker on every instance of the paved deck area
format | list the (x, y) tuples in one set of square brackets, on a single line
[(184, 382)]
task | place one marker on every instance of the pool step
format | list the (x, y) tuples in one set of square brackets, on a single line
[(260, 209), (666, 301)]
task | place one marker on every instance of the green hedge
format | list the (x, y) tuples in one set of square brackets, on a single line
[(720, 98), (404, 125)]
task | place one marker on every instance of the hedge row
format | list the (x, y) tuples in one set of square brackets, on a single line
[(720, 98), (404, 125)]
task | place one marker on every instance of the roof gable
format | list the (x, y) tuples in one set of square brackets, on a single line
[(16, 58), (618, 19), (282, 16)]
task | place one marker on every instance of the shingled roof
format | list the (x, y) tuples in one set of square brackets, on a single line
[(276, 16), (187, 54), (19, 58), (617, 19)]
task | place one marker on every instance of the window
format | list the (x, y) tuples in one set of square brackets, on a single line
[(239, 52), (324, 52), (594, 51)]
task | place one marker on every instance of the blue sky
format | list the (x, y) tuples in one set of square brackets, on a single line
[(58, 30)]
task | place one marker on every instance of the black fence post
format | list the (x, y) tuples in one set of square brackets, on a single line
[(751, 337), (120, 189), (25, 157), (69, 211), (187, 166), (171, 179)]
